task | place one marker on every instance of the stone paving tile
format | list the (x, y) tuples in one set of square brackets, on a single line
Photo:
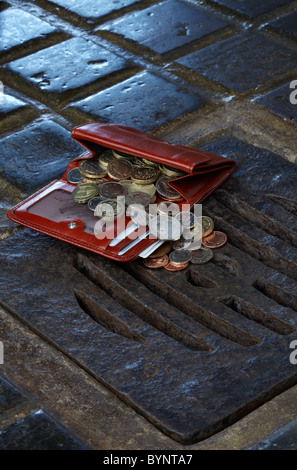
[(10, 104), (184, 23), (37, 432), (66, 66), (243, 61), (252, 8), (284, 439), (9, 397), (18, 27), (34, 156), (144, 101), (278, 101), (287, 24), (91, 9)]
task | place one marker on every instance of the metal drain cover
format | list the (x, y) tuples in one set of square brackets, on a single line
[(192, 351)]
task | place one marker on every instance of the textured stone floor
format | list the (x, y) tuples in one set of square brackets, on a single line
[(192, 72)]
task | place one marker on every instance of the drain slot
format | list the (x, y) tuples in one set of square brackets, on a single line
[(259, 316), (199, 280), (276, 293)]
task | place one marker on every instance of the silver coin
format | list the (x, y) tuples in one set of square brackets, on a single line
[(202, 256), (74, 176), (138, 197), (165, 228), (180, 256), (187, 219), (112, 190), (93, 203), (168, 208)]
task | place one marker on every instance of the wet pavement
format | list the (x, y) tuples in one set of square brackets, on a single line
[(212, 74)]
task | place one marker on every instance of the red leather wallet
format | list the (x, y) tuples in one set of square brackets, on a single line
[(52, 211)]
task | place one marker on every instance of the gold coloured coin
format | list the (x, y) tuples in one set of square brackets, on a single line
[(145, 188), (171, 171), (168, 208), (165, 191), (84, 191), (119, 169), (119, 154), (150, 162), (161, 251), (105, 158), (144, 175), (91, 168), (207, 226)]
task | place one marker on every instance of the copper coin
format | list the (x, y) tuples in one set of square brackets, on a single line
[(155, 263), (161, 251), (171, 267), (215, 240)]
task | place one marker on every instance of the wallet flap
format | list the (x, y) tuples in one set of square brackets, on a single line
[(95, 135)]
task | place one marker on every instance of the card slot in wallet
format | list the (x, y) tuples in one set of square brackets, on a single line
[(52, 211)]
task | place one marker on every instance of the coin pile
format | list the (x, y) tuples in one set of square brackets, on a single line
[(113, 174), (174, 257), (102, 179)]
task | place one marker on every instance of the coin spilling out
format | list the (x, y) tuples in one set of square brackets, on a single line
[(215, 240), (119, 169), (156, 263), (174, 267), (201, 256), (168, 208), (84, 191), (207, 226), (74, 176), (112, 190), (93, 203), (187, 220), (138, 197), (180, 257), (144, 175), (91, 168), (165, 191), (165, 228), (105, 158), (109, 209)]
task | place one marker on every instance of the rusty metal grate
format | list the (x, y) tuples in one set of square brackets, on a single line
[(193, 351)]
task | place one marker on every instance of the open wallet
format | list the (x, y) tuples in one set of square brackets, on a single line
[(53, 211)]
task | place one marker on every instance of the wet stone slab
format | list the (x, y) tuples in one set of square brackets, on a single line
[(10, 104), (34, 156), (90, 9), (287, 24), (37, 432), (278, 101), (18, 27), (184, 23), (143, 101), (192, 351), (252, 8), (242, 62), (66, 66)]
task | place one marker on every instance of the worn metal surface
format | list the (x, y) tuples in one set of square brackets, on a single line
[(192, 351)]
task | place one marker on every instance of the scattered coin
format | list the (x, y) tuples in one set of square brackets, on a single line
[(91, 168), (207, 226), (165, 191), (109, 209), (119, 169), (181, 244), (165, 228), (105, 158), (180, 257), (201, 256), (112, 190), (187, 220), (74, 176), (161, 251), (175, 267), (84, 191), (215, 240), (138, 197), (144, 175), (93, 203), (168, 208), (156, 263)]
